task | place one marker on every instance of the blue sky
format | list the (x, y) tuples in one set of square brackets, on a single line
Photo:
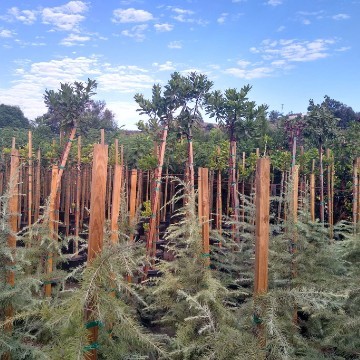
[(289, 51)]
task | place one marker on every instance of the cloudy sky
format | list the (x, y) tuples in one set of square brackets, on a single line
[(289, 51)]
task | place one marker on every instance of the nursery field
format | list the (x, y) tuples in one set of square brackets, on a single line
[(179, 241)]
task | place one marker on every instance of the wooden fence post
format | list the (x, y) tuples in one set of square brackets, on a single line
[(96, 230)]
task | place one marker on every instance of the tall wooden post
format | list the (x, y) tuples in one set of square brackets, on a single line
[(116, 196), (312, 196), (78, 193), (218, 218), (262, 230), (96, 230), (37, 187), (329, 193), (132, 213), (30, 180), (295, 199), (155, 199), (262, 225), (205, 216), (52, 225), (356, 200), (13, 225)]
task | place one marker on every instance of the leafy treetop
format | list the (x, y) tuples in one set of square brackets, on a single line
[(68, 103)]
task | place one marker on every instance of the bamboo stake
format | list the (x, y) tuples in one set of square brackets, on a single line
[(96, 230)]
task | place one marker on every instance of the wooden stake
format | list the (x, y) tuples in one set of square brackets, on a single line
[(295, 200), (11, 240), (116, 201), (262, 225), (356, 200), (262, 230), (37, 187), (78, 198), (133, 193), (97, 200), (156, 194), (30, 186), (204, 204), (329, 193), (102, 136), (312, 196), (96, 228), (52, 225)]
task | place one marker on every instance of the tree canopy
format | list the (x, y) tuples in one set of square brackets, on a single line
[(12, 116)]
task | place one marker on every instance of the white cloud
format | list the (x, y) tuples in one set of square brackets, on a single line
[(66, 17), (167, 66), (163, 27), (125, 113), (294, 50), (243, 63), (175, 45), (341, 17), (274, 2), (185, 16), (222, 18), (131, 15), (181, 11), (4, 33), (306, 21), (281, 28), (74, 39), (33, 78), (255, 73), (343, 48), (282, 55), (136, 32), (27, 17)]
